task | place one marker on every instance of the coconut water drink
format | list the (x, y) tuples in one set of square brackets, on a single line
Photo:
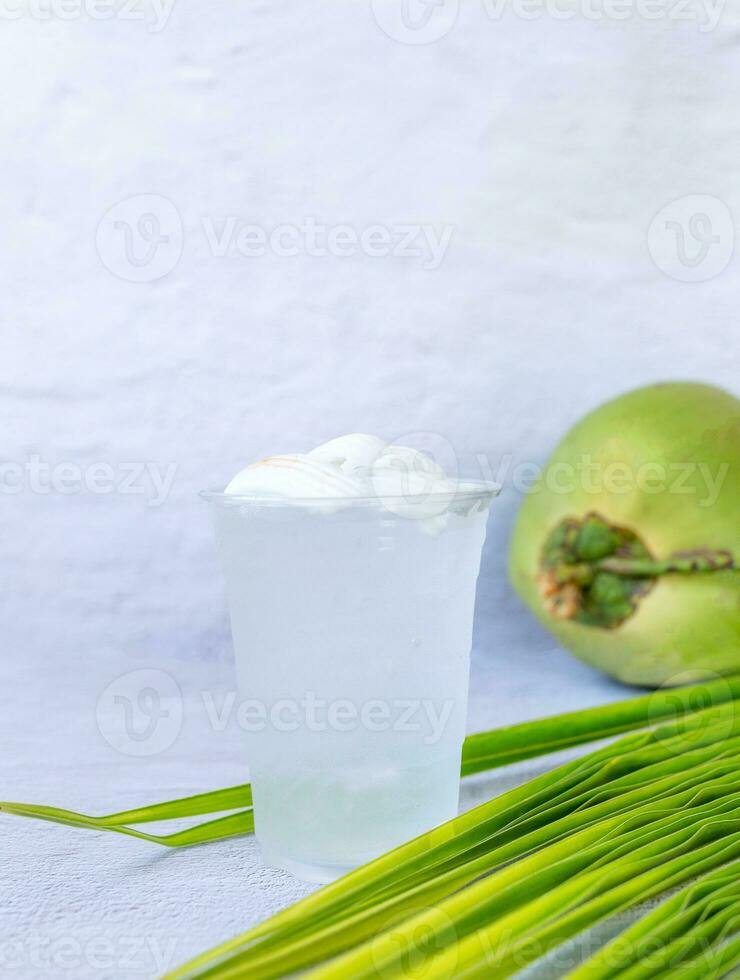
[(352, 619)]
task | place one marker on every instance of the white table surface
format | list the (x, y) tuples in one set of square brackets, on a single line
[(87, 904)]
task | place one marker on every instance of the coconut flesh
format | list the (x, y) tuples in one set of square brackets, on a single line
[(628, 548)]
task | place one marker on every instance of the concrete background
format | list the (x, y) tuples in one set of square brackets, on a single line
[(541, 149)]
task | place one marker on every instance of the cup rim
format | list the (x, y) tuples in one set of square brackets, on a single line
[(466, 491)]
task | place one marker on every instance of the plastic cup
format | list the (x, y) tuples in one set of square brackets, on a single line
[(352, 624)]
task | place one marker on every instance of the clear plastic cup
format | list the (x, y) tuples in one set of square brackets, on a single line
[(352, 623)]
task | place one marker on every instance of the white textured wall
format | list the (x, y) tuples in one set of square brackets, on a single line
[(547, 146)]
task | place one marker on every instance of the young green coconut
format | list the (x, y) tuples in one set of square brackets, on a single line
[(628, 548)]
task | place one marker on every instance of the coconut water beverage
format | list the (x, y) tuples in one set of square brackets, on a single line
[(351, 618)]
